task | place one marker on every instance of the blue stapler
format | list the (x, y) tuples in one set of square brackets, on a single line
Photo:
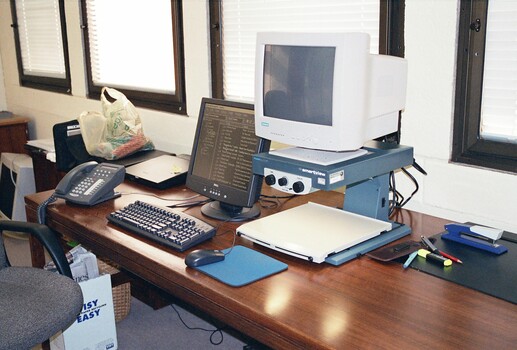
[(476, 236)]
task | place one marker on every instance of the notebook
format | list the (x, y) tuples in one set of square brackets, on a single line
[(161, 172)]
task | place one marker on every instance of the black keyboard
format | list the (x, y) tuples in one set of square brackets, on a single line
[(173, 229)]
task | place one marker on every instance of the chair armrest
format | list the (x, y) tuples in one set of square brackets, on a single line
[(46, 236)]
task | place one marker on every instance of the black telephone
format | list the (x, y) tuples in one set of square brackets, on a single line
[(87, 184), (91, 183)]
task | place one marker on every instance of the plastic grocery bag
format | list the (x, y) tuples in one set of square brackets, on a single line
[(117, 131)]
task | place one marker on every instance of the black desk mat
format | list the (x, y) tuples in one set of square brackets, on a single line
[(495, 275)]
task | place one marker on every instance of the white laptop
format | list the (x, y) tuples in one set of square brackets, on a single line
[(312, 231), (161, 172)]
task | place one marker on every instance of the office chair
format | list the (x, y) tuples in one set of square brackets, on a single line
[(35, 304)]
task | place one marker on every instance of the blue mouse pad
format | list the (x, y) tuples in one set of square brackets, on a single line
[(242, 266)]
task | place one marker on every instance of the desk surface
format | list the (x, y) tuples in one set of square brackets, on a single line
[(361, 304)]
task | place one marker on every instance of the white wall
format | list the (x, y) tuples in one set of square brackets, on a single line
[(455, 192), (3, 100)]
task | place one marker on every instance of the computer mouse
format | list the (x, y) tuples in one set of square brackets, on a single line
[(202, 257)]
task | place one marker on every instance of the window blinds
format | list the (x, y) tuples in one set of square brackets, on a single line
[(41, 42), (131, 44), (499, 101), (242, 19)]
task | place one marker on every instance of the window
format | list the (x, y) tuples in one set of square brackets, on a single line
[(40, 38), (234, 24), (485, 117), (136, 47)]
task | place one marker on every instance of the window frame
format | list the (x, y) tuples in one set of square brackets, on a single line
[(467, 145), (60, 85), (175, 103), (391, 37)]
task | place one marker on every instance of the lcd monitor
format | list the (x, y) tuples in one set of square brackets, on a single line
[(325, 91), (221, 161)]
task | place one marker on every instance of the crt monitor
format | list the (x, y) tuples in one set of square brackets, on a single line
[(16, 181), (325, 91), (221, 161)]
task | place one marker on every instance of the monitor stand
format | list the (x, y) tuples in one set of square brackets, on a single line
[(318, 156), (226, 212)]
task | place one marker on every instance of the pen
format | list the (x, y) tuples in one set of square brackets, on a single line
[(435, 250), (448, 256), (429, 245), (424, 253), (410, 259)]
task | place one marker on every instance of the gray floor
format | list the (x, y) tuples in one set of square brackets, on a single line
[(145, 328)]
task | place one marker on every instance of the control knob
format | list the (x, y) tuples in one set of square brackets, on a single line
[(282, 181), (298, 187), (270, 179)]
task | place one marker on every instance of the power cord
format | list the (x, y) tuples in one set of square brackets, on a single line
[(189, 204), (229, 230), (160, 197), (42, 208), (272, 202), (217, 330), (398, 200)]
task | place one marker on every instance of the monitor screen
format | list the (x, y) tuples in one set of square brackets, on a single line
[(7, 188), (221, 161), (298, 83)]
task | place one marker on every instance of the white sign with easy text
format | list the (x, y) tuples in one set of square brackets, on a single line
[(94, 328)]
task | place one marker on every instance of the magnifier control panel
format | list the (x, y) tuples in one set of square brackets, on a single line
[(287, 182)]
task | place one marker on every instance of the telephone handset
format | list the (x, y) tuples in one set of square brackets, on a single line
[(90, 183)]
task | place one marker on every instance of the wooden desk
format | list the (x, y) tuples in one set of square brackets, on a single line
[(361, 304)]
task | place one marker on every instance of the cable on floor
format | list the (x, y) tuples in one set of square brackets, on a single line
[(214, 332)]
